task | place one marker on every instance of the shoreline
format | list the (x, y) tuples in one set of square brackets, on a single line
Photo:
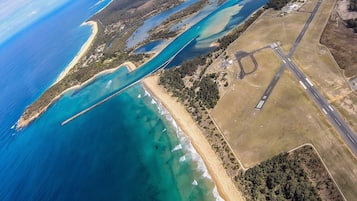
[(225, 186), (84, 49), (21, 123)]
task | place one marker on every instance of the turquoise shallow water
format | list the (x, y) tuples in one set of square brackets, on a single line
[(122, 150), (126, 149)]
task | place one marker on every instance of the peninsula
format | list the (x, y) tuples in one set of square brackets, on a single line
[(256, 145)]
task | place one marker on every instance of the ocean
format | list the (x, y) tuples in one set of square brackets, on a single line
[(126, 149)]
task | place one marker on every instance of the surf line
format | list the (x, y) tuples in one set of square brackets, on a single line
[(125, 88)]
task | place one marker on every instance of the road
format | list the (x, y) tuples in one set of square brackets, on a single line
[(328, 110), (336, 120), (276, 78)]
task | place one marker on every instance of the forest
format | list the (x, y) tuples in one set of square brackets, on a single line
[(352, 23), (277, 4), (353, 5), (279, 179), (297, 175), (203, 89)]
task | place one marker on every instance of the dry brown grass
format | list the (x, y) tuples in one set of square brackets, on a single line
[(317, 62), (248, 64), (289, 118)]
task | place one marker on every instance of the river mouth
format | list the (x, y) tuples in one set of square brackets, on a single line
[(119, 150)]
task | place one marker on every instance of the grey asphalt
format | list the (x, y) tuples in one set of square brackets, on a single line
[(334, 117), (336, 120), (277, 76)]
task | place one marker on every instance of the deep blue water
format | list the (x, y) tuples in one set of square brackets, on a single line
[(142, 32), (148, 47), (125, 149)]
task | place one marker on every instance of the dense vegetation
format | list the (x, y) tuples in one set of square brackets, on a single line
[(277, 4), (198, 92), (133, 10), (164, 30), (352, 23), (353, 5), (203, 90), (298, 175), (185, 12), (208, 92), (118, 12), (279, 179)]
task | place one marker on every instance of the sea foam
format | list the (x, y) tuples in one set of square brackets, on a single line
[(186, 144), (176, 148)]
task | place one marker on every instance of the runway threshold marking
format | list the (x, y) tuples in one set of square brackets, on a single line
[(260, 104), (331, 108), (310, 83), (302, 84)]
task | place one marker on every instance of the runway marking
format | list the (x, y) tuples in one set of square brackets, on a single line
[(284, 61), (289, 59), (323, 109), (331, 108), (315, 95), (260, 104), (310, 83), (302, 84), (338, 122), (353, 141)]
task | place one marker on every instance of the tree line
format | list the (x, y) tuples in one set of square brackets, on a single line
[(277, 4), (352, 23), (278, 178), (201, 89), (353, 5)]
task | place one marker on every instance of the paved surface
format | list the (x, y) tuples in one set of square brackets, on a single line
[(328, 110), (239, 56), (336, 120), (276, 78)]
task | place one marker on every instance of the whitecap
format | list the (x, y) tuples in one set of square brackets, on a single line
[(182, 158), (176, 148), (139, 96), (194, 183), (153, 102), (186, 145), (147, 93), (216, 194)]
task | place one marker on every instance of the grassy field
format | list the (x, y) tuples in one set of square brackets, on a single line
[(317, 62), (289, 118)]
